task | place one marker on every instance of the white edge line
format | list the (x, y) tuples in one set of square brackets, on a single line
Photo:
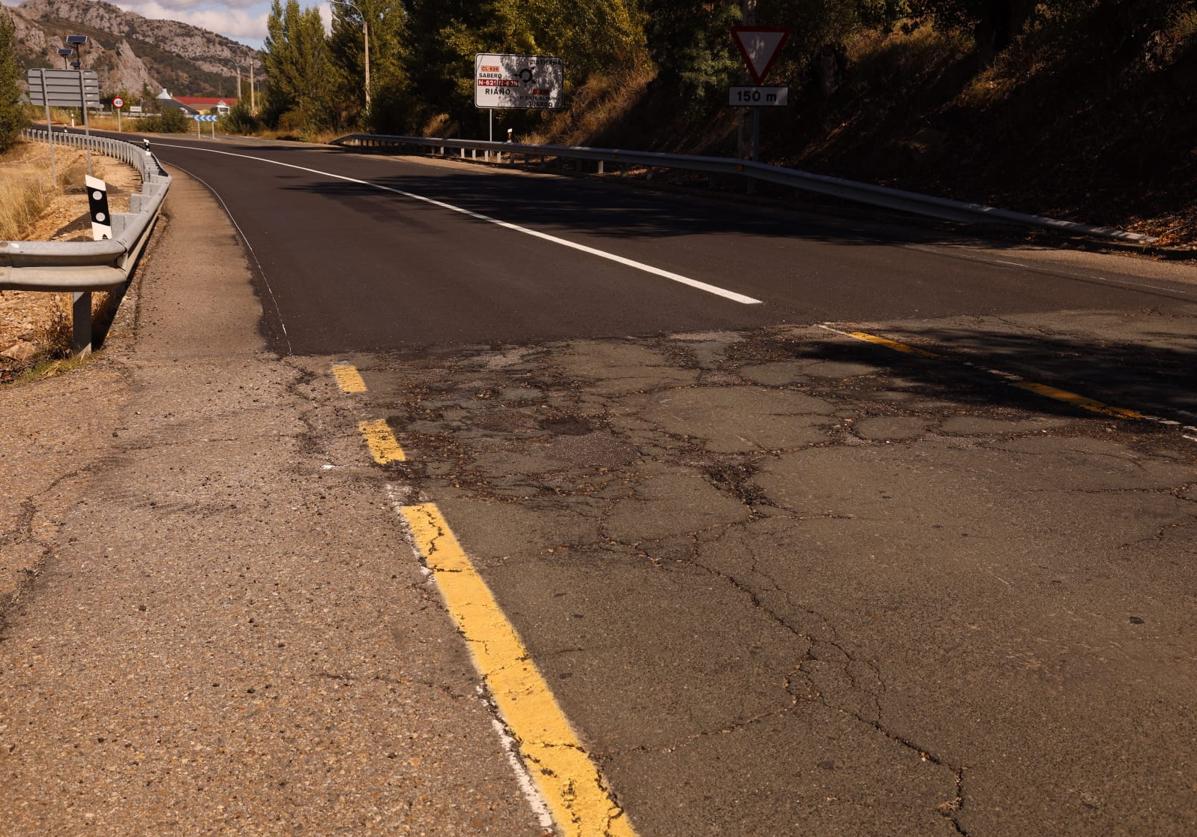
[(248, 247), (523, 778), (397, 498), (602, 254)]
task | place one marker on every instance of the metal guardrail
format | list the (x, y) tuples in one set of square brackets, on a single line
[(851, 190), (86, 266)]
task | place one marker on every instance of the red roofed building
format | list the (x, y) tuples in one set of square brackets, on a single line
[(208, 104)]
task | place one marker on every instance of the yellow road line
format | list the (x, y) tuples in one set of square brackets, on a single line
[(1078, 400), (564, 773), (348, 378), (382, 443), (1055, 393), (905, 348)]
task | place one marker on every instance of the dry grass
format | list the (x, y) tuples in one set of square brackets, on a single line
[(596, 106), (53, 334), (31, 208), (45, 369), (26, 189), (437, 125)]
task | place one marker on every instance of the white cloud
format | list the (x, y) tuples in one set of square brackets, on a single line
[(240, 19)]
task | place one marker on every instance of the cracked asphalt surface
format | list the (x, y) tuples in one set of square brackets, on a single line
[(779, 580), (781, 590)]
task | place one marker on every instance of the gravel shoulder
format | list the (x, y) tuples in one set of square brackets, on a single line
[(217, 632)]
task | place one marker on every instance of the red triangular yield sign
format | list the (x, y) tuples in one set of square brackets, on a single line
[(760, 46)]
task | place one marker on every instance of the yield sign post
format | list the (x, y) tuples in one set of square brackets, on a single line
[(760, 46)]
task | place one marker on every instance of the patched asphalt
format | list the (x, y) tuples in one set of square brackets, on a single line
[(785, 583)]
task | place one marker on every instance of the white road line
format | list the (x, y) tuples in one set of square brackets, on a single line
[(602, 254)]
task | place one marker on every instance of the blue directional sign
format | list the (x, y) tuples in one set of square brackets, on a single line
[(201, 118)]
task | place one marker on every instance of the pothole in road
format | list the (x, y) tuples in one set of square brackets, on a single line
[(736, 479), (566, 424)]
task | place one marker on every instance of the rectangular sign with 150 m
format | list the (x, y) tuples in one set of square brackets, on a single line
[(759, 97)]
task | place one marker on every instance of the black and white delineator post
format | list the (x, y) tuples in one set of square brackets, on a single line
[(97, 202), (101, 230)]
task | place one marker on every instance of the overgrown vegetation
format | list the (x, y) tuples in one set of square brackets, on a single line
[(169, 121), (239, 120), (13, 116), (26, 188)]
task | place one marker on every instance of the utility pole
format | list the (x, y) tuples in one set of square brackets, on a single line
[(366, 46), (237, 67), (753, 118), (253, 101), (366, 35)]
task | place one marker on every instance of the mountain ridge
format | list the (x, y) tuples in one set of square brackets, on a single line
[(132, 53)]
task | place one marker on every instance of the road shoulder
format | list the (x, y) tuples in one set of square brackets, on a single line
[(225, 634)]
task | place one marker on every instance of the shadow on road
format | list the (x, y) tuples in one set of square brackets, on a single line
[(619, 210), (1146, 377)]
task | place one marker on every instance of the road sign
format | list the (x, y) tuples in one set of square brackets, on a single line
[(134, 108), (118, 103), (199, 117), (61, 88), (760, 46), (759, 97), (531, 82)]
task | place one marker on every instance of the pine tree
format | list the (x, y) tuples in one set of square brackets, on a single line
[(388, 78), (299, 70), (13, 114)]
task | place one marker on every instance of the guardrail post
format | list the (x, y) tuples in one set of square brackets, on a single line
[(80, 323), (600, 167)]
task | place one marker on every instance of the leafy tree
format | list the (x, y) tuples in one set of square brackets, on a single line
[(13, 115), (690, 44), (169, 121), (444, 35), (994, 23), (388, 73), (239, 120), (299, 69)]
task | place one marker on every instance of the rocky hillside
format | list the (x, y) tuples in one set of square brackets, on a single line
[(131, 52)]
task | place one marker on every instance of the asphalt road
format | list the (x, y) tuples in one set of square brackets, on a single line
[(355, 258), (809, 525)]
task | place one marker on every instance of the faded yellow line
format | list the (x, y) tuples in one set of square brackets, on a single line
[(348, 378), (564, 773), (382, 443), (1055, 393), (905, 348), (1078, 400)]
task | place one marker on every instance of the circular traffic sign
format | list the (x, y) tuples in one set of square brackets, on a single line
[(118, 103)]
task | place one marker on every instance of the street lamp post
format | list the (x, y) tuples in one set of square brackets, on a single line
[(76, 43), (366, 39)]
